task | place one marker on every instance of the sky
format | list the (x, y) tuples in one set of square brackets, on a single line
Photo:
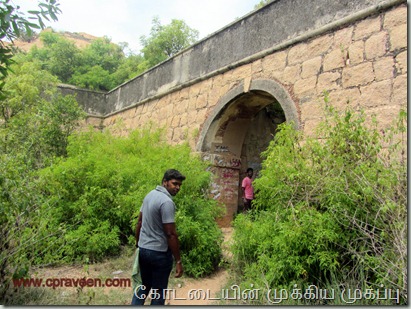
[(127, 20)]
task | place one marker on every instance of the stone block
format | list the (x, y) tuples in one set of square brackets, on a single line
[(356, 52), (376, 94), (297, 54), (179, 107), (384, 68), (306, 86), (343, 37), (398, 37), (191, 104), (342, 98), (170, 112), (175, 122), (195, 90), (291, 74), (399, 91), (401, 63), (305, 51), (395, 17), (184, 93), (256, 67), (311, 67), (213, 97), (201, 116), (242, 72), (276, 75), (184, 120), (376, 45), (319, 46), (367, 27), (206, 85), (311, 109), (334, 60), (328, 81), (191, 118), (178, 134), (201, 101), (163, 101), (385, 116), (274, 62), (360, 74)]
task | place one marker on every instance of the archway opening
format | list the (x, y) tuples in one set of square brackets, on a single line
[(235, 135)]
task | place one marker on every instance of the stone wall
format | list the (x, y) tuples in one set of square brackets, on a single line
[(364, 63)]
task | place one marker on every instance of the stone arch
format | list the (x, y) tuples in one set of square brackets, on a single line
[(269, 86), (238, 129)]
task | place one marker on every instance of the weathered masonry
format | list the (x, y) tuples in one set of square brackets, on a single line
[(229, 92)]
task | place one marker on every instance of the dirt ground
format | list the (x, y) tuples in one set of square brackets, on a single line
[(204, 291), (185, 291), (199, 292)]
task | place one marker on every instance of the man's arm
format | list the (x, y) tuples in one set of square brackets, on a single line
[(173, 244), (138, 227), (243, 191)]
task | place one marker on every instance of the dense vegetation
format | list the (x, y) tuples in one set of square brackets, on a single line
[(103, 65), (82, 205), (72, 197), (330, 210), (35, 124), (97, 191)]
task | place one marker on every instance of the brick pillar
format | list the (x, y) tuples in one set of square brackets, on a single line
[(224, 188)]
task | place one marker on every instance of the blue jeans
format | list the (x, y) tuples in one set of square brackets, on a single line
[(155, 269)]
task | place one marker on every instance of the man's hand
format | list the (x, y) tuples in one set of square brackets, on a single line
[(179, 270)]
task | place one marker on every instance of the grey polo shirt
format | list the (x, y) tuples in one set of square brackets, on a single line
[(158, 208)]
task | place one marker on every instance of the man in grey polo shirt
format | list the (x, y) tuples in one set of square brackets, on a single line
[(157, 240)]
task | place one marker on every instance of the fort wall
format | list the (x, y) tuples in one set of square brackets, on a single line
[(274, 65)]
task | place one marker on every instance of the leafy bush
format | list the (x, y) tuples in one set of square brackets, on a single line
[(329, 209), (96, 194), (34, 127)]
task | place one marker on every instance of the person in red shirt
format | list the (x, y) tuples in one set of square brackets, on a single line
[(248, 190)]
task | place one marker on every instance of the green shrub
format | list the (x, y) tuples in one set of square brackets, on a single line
[(330, 209), (97, 191)]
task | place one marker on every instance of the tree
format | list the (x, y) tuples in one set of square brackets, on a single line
[(63, 59), (104, 53), (36, 122), (128, 69), (261, 4), (166, 41), (98, 62), (11, 24), (102, 65)]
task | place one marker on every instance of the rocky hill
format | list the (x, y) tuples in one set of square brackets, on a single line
[(80, 39)]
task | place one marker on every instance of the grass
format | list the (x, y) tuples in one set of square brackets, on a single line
[(79, 295)]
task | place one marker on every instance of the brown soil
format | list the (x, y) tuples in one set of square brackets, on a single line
[(187, 291), (205, 291)]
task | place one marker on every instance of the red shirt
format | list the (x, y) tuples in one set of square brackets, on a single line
[(248, 188)]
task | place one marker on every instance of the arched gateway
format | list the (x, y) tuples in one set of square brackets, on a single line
[(238, 130)]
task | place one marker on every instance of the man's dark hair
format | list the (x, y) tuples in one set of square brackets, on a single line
[(250, 169), (173, 174)]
